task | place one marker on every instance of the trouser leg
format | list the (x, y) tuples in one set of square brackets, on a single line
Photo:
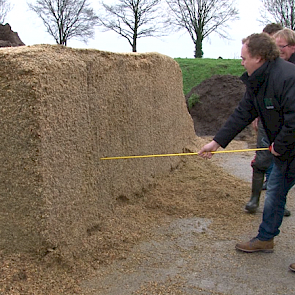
[(268, 171), (279, 184)]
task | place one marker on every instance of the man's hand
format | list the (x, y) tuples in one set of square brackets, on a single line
[(272, 150), (206, 150), (255, 125)]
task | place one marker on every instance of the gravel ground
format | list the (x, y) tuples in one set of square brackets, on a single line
[(187, 256)]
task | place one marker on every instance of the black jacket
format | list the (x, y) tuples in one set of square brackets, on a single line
[(270, 95), (292, 58)]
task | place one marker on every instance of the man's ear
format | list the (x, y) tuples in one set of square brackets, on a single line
[(258, 59)]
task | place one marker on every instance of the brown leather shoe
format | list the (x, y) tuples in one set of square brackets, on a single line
[(292, 266), (255, 245)]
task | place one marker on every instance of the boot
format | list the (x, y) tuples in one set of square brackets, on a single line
[(257, 182), (255, 245)]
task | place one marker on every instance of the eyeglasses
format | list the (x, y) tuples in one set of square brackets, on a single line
[(283, 46)]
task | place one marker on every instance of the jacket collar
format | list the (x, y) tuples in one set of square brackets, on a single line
[(257, 79)]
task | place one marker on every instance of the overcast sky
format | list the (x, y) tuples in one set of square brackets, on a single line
[(32, 31)]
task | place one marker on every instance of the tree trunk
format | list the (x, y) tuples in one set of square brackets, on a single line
[(134, 43), (198, 49), (134, 46), (199, 43)]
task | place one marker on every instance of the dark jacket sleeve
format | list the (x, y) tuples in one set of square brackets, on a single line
[(285, 139), (242, 116)]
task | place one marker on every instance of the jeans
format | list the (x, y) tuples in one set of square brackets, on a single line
[(279, 183), (268, 171)]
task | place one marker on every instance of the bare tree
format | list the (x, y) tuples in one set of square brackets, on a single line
[(201, 18), (133, 19), (278, 11), (5, 7), (66, 19)]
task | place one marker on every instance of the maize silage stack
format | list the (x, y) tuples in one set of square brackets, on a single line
[(63, 109)]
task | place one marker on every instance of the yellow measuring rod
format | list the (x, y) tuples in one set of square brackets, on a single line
[(182, 154)]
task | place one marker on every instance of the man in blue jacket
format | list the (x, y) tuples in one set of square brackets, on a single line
[(270, 95)]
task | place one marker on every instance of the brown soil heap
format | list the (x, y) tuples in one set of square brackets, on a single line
[(8, 38), (218, 97)]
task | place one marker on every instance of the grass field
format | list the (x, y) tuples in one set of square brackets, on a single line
[(195, 70)]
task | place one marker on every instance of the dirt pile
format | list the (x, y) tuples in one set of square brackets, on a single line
[(8, 38), (218, 97)]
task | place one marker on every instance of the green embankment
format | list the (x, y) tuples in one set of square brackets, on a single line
[(195, 70)]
